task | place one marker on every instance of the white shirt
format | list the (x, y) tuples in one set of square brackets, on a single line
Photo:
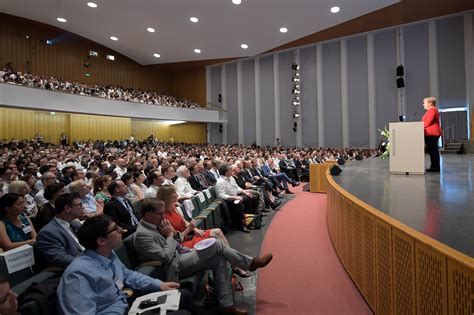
[(226, 187), (39, 198), (120, 171), (167, 182), (151, 191), (183, 188)]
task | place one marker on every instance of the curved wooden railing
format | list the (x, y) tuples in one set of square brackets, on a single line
[(397, 269)]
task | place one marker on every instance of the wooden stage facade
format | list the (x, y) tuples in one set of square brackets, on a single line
[(407, 242)]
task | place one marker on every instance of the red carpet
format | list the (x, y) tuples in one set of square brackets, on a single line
[(305, 276)]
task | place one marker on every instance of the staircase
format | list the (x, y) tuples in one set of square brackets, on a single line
[(453, 148)]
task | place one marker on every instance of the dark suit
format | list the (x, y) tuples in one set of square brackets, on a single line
[(115, 209), (195, 184), (57, 247), (210, 178), (250, 204)]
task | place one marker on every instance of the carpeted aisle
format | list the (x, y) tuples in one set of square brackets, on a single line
[(305, 276)]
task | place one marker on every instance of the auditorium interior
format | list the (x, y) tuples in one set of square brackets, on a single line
[(176, 157)]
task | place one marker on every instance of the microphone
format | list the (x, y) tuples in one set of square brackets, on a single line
[(413, 116)]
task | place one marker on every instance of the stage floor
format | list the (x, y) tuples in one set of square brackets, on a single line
[(440, 205)]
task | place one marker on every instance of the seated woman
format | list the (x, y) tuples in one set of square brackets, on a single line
[(173, 214), (139, 179), (102, 195), (133, 191), (15, 228), (47, 212), (22, 188)]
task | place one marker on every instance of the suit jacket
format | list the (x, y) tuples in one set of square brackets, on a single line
[(115, 209), (150, 245), (195, 184), (56, 247), (240, 180), (210, 177)]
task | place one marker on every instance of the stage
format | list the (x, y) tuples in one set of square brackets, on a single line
[(440, 205)]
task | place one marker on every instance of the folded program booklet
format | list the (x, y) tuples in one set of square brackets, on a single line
[(156, 303)]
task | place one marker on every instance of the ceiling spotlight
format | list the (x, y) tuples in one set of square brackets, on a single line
[(295, 91), (297, 86), (335, 9), (49, 42), (295, 103), (295, 67), (156, 55), (244, 46), (113, 38), (27, 36), (236, 1), (194, 19), (150, 29), (92, 4), (297, 98), (295, 79), (87, 74), (62, 20), (283, 30), (197, 51), (296, 115)]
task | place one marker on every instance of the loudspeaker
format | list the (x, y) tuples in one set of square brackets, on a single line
[(220, 128), (400, 71), (219, 98), (341, 161), (400, 83), (335, 170)]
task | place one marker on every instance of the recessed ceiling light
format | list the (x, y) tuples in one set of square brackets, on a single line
[(92, 4), (244, 46), (156, 55), (113, 38), (236, 1), (197, 51), (335, 9), (62, 20), (150, 29), (283, 30), (194, 19)]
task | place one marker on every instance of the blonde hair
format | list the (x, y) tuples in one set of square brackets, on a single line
[(431, 100), (16, 186), (165, 193), (76, 185)]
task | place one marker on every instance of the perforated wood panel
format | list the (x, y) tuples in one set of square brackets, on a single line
[(369, 276), (383, 259), (358, 246), (460, 288), (431, 295), (403, 273), (349, 237)]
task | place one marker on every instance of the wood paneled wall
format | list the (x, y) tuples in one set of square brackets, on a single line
[(23, 124), (66, 57), (190, 84)]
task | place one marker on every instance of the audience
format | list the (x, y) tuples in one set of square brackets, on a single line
[(8, 301), (93, 282), (47, 212), (9, 76)]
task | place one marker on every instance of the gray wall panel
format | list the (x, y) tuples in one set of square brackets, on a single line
[(358, 97), (248, 96), (216, 136), (332, 95), (386, 102), (451, 63), (268, 100), (308, 108), (287, 135), (215, 84), (231, 98), (417, 69)]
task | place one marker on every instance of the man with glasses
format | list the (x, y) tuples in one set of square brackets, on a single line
[(156, 239), (57, 242), (93, 283), (47, 179)]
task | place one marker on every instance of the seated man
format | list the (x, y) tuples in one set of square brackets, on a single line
[(57, 242), (120, 208), (156, 180), (93, 282), (156, 239), (91, 206)]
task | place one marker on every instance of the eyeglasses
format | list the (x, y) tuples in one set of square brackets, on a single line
[(117, 228)]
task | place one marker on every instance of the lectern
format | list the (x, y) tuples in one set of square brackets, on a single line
[(407, 153)]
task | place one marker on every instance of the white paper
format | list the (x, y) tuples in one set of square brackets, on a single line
[(208, 193), (205, 243), (189, 207), (201, 196), (19, 258), (171, 304)]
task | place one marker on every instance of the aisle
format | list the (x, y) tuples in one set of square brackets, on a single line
[(305, 276)]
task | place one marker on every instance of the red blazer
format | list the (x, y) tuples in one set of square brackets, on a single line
[(431, 121)]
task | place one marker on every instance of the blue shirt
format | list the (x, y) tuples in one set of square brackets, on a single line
[(92, 284)]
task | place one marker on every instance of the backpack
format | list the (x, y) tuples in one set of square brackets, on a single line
[(40, 298)]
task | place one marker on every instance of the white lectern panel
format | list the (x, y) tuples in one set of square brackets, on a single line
[(407, 154)]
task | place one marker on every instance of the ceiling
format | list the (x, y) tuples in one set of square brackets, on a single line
[(222, 27)]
